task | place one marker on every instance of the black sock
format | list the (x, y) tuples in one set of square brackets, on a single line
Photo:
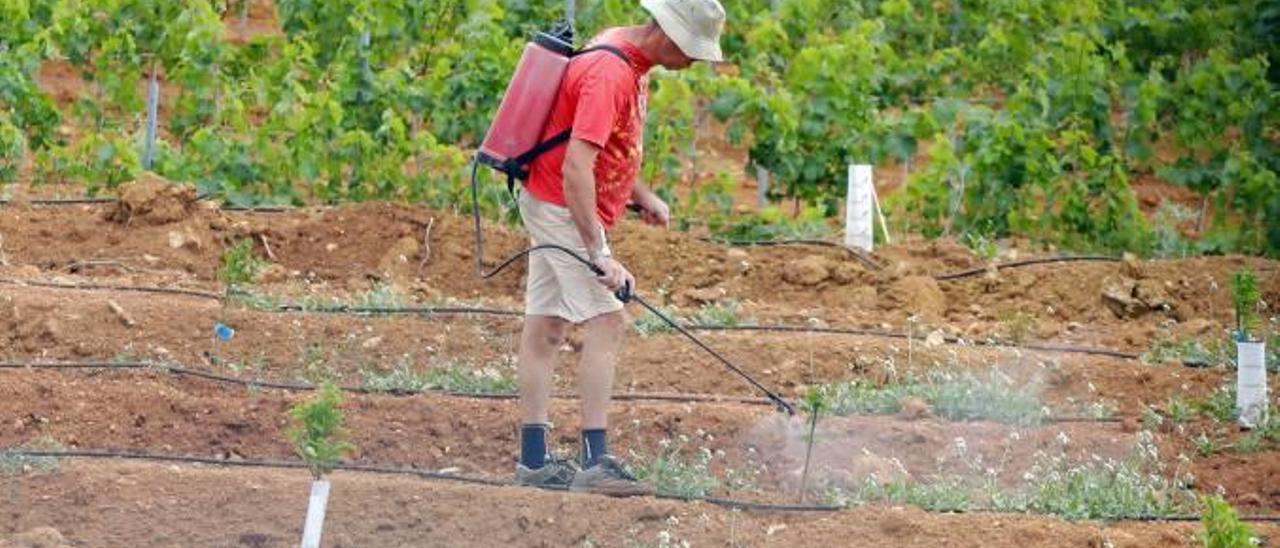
[(533, 445), (593, 446)]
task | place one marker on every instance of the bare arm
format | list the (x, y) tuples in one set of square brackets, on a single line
[(580, 194), (653, 210)]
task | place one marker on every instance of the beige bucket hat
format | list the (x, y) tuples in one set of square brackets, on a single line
[(694, 25)]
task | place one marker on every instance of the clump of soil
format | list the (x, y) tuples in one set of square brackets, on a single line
[(918, 295), (153, 200), (40, 537)]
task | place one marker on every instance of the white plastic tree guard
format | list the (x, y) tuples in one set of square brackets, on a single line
[(859, 232), (1251, 383), (315, 514)]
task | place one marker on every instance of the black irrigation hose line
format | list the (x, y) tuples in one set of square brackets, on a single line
[(115, 287), (178, 370), (1025, 262), (724, 502), (862, 257), (404, 310), (377, 469), (463, 310), (897, 335)]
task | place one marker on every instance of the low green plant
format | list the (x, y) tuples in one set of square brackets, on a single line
[(1245, 299), (1221, 404), (720, 314), (14, 464), (382, 295), (950, 395), (1107, 489), (683, 470), (1018, 326), (771, 223), (1206, 445), (1259, 438), (1179, 410), (318, 434), (1222, 526), (650, 324), (942, 493), (1190, 352), (1092, 488), (985, 248), (239, 265), (674, 474), (726, 313), (453, 376)]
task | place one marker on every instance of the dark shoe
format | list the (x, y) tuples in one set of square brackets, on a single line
[(555, 474), (609, 477)]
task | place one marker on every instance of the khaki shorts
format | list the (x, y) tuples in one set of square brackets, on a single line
[(558, 285)]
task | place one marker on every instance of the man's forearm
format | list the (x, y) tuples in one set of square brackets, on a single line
[(639, 192), (580, 197)]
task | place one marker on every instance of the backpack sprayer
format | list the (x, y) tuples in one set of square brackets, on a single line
[(512, 143)]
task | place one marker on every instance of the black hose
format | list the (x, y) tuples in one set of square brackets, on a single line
[(180, 371), (625, 294), (1025, 262), (725, 502), (113, 287), (464, 310), (860, 255)]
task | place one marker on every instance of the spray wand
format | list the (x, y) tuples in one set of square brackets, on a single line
[(625, 294)]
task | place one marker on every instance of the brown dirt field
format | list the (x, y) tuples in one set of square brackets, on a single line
[(343, 252), (209, 506), (77, 325), (347, 250), (142, 411)]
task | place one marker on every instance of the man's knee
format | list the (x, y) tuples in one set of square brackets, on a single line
[(612, 322), (547, 331)]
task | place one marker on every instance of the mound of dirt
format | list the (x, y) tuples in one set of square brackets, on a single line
[(919, 295), (41, 537), (153, 200)]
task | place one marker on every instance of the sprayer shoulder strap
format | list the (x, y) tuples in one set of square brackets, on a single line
[(562, 137)]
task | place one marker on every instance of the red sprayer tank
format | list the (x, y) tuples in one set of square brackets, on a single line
[(526, 104)]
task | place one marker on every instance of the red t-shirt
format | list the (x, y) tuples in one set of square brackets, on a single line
[(604, 98)]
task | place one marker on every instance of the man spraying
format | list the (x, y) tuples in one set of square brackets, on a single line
[(573, 195)]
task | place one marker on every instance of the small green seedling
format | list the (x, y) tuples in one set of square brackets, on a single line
[(815, 402), (318, 433), (1244, 294), (1222, 527), (238, 265)]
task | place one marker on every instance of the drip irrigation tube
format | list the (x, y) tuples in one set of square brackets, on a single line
[(861, 256), (1025, 262), (180, 371), (60, 201), (380, 469), (464, 310), (114, 287), (725, 502)]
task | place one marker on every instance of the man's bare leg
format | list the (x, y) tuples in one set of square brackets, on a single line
[(540, 340), (602, 341)]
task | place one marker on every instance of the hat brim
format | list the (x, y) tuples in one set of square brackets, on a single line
[(694, 46)]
